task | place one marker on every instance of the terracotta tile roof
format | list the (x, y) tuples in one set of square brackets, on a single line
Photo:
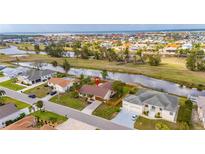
[(59, 81)]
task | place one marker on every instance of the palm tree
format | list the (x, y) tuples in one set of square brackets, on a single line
[(66, 66), (2, 93)]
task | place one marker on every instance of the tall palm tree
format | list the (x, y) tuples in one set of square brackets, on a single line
[(2, 93)]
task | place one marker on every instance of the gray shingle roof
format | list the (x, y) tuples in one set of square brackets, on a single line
[(7, 109), (34, 74), (162, 100)]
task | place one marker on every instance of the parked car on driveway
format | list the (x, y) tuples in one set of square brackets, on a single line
[(32, 96), (53, 93)]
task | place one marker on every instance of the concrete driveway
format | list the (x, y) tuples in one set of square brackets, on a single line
[(124, 118), (5, 78), (72, 124), (91, 107)]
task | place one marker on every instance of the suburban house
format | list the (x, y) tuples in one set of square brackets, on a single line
[(102, 92), (7, 109), (33, 76), (152, 104), (201, 108), (60, 84)]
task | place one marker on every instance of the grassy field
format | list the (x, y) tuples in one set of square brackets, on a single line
[(40, 91), (19, 104), (28, 46), (171, 69), (11, 85), (66, 100), (1, 74), (46, 116)]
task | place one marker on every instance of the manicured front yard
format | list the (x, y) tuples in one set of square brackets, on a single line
[(19, 104), (40, 91), (148, 124), (11, 84), (67, 100), (47, 116), (110, 109), (106, 111)]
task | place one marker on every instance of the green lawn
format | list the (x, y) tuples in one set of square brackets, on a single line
[(46, 116), (106, 111), (1, 74), (40, 91), (110, 109), (148, 124), (67, 100), (19, 104), (11, 85)]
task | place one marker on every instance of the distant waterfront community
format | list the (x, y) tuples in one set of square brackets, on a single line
[(146, 80)]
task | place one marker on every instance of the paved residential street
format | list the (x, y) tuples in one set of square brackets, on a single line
[(71, 113), (72, 124)]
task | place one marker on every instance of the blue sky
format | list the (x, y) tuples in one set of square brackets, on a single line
[(92, 27)]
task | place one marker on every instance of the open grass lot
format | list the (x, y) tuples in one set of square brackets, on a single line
[(67, 100), (28, 46), (148, 124), (110, 109), (11, 85), (40, 91), (172, 68), (19, 104), (46, 116)]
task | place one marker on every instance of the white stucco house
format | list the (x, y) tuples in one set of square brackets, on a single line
[(152, 104), (61, 85)]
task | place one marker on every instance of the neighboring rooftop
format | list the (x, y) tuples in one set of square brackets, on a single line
[(59, 81), (162, 100), (34, 74), (7, 109)]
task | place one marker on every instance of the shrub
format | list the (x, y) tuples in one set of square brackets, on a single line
[(161, 126)]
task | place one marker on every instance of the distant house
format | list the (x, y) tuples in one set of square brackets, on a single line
[(101, 92), (14, 72), (59, 84), (201, 108), (151, 104), (69, 54), (34, 76), (170, 49), (7, 109)]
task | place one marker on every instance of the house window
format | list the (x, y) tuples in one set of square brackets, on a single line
[(171, 113), (160, 109), (153, 107), (146, 105)]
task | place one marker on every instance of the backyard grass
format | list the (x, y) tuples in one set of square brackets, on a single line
[(40, 91), (19, 104), (106, 111), (10, 84), (67, 100), (46, 116), (1, 74)]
